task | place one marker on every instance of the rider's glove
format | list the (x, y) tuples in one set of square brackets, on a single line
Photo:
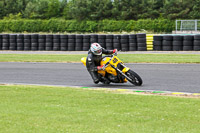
[(114, 51), (100, 67)]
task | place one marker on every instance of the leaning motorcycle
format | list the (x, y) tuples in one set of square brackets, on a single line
[(115, 70)]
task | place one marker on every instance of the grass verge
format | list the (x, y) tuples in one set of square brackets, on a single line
[(127, 58), (76, 110)]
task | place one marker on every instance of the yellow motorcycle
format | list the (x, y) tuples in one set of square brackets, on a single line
[(115, 70)]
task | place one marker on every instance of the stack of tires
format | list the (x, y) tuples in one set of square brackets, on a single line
[(41, 42), (49, 43), (124, 42), (27, 42), (109, 42), (167, 43), (102, 40), (0, 41), (141, 42), (117, 42), (157, 43), (63, 42), (34, 42), (93, 38), (56, 42), (132, 42), (13, 42), (20, 42), (79, 43), (177, 44), (5, 42), (71, 42), (188, 43), (86, 42), (196, 43)]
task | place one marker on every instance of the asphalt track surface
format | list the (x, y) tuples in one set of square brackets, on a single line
[(158, 77)]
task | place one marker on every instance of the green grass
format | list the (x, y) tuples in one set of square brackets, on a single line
[(127, 58), (31, 109)]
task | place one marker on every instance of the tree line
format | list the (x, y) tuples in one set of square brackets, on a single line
[(100, 9)]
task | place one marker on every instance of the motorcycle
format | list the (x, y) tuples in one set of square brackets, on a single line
[(115, 70)]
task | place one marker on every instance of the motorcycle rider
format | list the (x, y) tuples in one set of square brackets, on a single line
[(93, 62)]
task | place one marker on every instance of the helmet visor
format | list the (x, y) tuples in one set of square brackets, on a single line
[(98, 52)]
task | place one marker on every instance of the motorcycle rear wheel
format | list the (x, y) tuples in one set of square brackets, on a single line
[(135, 78)]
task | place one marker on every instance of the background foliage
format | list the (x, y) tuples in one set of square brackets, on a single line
[(95, 15)]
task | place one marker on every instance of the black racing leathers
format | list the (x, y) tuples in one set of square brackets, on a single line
[(93, 61)]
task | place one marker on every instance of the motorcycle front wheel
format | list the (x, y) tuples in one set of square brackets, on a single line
[(134, 78)]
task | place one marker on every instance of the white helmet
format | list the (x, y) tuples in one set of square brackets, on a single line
[(96, 49)]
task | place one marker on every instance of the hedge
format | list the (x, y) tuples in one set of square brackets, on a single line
[(60, 25)]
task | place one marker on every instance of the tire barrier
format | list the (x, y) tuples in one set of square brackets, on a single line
[(141, 42), (80, 42)]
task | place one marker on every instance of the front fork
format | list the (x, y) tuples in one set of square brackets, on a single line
[(124, 70)]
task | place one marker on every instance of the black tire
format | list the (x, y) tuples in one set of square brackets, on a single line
[(187, 43), (109, 45), (141, 40), (41, 45), (79, 40), (125, 37), (132, 41), (20, 44), (132, 48), (167, 48), (100, 40), (86, 45), (20, 36), (78, 48), (41, 48), (27, 45), (71, 48), (5, 44), (86, 48), (12, 48), (56, 37), (34, 36), (48, 48), (132, 44), (20, 41), (42, 37), (49, 44), (157, 48), (56, 44), (197, 48), (12, 40), (63, 36), (177, 43), (177, 48), (196, 37), (27, 36), (134, 78), (168, 38), (177, 38), (132, 36), (141, 44), (157, 38), (188, 37), (13, 45), (141, 35), (142, 48), (167, 43), (187, 48), (56, 48), (101, 36), (20, 48), (34, 40), (109, 36), (63, 48), (27, 40), (86, 40), (124, 40), (109, 40), (62, 40), (86, 36), (71, 40), (157, 43), (196, 42), (56, 40)]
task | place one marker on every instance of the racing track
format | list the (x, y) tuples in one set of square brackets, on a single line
[(159, 77)]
